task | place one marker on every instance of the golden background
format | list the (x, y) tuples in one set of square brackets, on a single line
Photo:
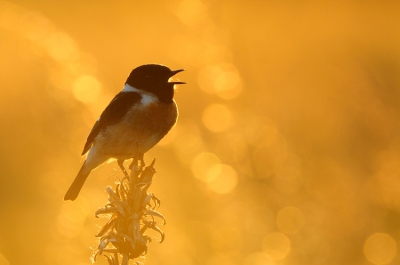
[(286, 152)]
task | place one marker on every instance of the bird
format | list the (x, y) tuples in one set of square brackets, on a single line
[(135, 120)]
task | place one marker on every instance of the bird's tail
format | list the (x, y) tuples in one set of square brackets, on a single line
[(76, 186)]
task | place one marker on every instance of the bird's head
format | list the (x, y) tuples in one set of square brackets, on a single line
[(156, 79)]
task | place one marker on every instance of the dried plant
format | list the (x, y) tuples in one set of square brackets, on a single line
[(131, 211)]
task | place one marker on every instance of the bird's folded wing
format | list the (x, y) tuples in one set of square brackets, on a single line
[(113, 113)]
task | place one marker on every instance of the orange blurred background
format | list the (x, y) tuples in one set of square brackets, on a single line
[(286, 152)]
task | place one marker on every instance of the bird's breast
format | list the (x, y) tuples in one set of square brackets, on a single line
[(151, 117), (144, 125)]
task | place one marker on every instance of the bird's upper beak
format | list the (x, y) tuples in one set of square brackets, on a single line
[(174, 73)]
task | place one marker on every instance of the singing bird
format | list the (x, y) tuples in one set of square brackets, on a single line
[(135, 120)]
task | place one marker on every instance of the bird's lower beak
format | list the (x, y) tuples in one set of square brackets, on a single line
[(174, 73)]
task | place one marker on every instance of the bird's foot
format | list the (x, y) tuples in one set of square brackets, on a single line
[(121, 165), (135, 162)]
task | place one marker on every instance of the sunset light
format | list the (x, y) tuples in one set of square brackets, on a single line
[(286, 149)]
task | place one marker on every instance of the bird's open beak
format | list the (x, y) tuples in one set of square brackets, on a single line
[(174, 73)]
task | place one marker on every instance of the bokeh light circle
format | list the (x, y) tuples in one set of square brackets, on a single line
[(290, 220), (217, 118), (86, 88), (204, 166), (276, 245), (258, 258), (222, 79), (71, 219), (380, 248), (191, 12), (227, 238), (224, 179)]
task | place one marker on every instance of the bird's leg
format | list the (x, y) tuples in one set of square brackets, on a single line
[(141, 158), (121, 165), (138, 156)]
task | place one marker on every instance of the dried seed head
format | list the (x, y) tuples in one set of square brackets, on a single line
[(131, 213)]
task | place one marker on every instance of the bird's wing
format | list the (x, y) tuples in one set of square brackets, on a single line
[(113, 113)]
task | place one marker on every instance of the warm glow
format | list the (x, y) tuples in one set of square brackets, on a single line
[(290, 220), (188, 143), (37, 27), (388, 172), (287, 145), (71, 219), (380, 248), (217, 117), (288, 179), (222, 179), (270, 158), (258, 258), (86, 88), (3, 260), (191, 12), (223, 80), (169, 138), (206, 166), (227, 238), (60, 47), (276, 245)]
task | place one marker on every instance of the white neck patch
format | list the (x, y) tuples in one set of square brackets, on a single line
[(147, 97), (128, 88)]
